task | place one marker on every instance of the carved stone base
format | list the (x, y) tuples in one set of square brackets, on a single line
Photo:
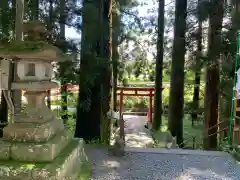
[(35, 152), (29, 132), (35, 116), (65, 167), (36, 111)]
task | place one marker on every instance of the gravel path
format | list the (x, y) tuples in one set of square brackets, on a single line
[(135, 133), (155, 166), (152, 166)]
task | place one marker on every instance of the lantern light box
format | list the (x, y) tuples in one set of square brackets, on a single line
[(34, 70)]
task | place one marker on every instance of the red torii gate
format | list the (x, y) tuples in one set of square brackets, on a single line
[(123, 91), (136, 91)]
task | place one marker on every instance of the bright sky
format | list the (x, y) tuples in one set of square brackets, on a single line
[(72, 33)]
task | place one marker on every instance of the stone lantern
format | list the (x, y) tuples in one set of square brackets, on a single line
[(36, 137)]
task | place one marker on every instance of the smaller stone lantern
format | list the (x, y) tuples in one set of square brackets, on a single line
[(36, 137)]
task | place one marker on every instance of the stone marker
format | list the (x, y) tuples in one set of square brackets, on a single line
[(36, 145)]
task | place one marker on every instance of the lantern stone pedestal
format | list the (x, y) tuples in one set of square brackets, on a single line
[(65, 166), (37, 146)]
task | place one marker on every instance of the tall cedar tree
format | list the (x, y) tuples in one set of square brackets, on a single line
[(157, 121), (5, 24), (34, 8), (177, 72), (196, 92), (106, 56), (212, 73), (94, 93), (115, 55)]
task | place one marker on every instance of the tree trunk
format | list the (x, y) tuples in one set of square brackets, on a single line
[(95, 74), (106, 54), (34, 5), (5, 21), (13, 15), (177, 72), (3, 114), (196, 92), (157, 121), (64, 108), (212, 74), (115, 57)]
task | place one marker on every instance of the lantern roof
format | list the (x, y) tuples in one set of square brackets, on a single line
[(34, 45), (32, 50)]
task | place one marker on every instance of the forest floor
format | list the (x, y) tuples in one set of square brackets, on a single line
[(160, 164)]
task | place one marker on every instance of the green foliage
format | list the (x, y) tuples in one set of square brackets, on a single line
[(165, 95), (125, 82), (72, 103), (192, 135)]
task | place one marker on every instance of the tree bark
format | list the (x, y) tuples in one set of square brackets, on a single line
[(106, 54), (5, 21), (212, 74), (13, 15), (157, 121), (197, 80), (34, 5), (3, 114), (177, 72), (95, 74), (115, 56)]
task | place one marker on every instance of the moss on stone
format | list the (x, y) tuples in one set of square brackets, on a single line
[(85, 171), (67, 165), (31, 46), (22, 46), (29, 165), (63, 155)]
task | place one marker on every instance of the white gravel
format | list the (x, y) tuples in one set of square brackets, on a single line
[(150, 166), (153, 166), (136, 135)]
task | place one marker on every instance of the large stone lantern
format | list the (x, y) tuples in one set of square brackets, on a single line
[(36, 137)]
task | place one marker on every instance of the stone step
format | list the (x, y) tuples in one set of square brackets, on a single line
[(178, 152), (66, 166)]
